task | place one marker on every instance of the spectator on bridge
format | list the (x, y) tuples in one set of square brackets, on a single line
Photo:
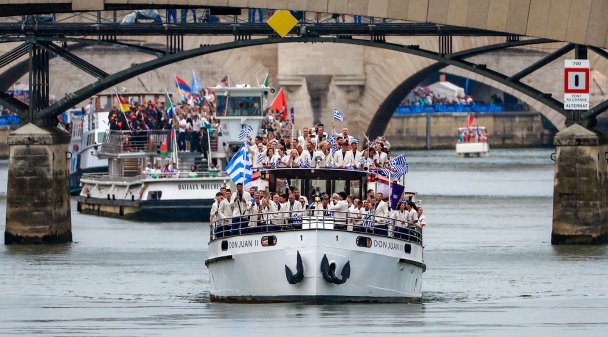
[(184, 13), (357, 18), (172, 15), (252, 12)]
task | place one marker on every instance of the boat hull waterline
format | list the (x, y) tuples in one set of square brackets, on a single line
[(248, 271)]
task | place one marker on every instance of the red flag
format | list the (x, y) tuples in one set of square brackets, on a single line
[(280, 104), (470, 121)]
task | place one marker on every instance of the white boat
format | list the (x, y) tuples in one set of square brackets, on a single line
[(472, 142), (88, 132), (316, 258), (127, 191)]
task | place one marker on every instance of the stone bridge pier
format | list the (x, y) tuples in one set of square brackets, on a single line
[(38, 196), (580, 194)]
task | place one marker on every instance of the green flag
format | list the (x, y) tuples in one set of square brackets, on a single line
[(266, 81), (169, 108)]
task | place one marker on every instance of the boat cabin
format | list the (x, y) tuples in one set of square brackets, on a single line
[(312, 182)]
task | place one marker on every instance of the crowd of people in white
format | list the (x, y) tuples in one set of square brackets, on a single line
[(243, 212)]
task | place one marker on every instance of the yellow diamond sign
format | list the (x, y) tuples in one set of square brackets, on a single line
[(282, 22)]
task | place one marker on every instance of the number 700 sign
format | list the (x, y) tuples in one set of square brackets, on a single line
[(576, 84)]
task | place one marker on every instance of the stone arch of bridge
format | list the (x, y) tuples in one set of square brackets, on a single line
[(455, 59)]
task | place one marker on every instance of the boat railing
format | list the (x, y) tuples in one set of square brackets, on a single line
[(136, 142), (154, 176), (311, 219)]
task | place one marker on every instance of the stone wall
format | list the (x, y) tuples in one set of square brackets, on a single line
[(521, 129), (4, 131)]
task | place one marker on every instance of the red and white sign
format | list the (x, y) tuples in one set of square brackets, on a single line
[(576, 84)]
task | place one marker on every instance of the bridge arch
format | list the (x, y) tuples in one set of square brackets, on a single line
[(456, 59)]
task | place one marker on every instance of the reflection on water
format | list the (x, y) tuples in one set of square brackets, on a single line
[(491, 270)]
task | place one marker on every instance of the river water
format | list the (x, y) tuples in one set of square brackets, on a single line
[(491, 270)]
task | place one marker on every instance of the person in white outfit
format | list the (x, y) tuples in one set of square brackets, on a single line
[(240, 202), (339, 206), (345, 157), (381, 214)]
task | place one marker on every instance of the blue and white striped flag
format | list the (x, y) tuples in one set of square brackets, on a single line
[(260, 158), (239, 168), (354, 140), (305, 164), (245, 131), (399, 166), (338, 115), (368, 222), (332, 141)]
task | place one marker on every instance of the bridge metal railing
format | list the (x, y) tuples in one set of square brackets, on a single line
[(311, 219)]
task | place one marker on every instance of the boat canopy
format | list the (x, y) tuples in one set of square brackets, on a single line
[(316, 181)]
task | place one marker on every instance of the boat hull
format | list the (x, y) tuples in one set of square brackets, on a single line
[(247, 271), (473, 149), (154, 210)]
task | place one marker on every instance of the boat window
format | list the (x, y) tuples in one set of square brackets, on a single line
[(220, 105), (270, 240), (91, 139), (363, 241), (224, 245), (244, 106), (408, 248), (355, 188), (338, 186), (101, 137)]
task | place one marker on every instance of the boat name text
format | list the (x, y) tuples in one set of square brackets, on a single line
[(388, 245), (199, 186), (243, 244)]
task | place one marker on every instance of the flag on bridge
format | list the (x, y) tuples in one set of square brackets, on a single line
[(338, 115), (239, 169)]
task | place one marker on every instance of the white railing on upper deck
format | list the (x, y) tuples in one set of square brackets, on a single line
[(154, 176), (133, 142), (311, 219)]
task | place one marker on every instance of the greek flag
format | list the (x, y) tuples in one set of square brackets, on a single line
[(338, 115), (399, 166), (239, 168), (260, 158), (354, 141), (305, 164), (245, 131), (332, 141), (368, 222)]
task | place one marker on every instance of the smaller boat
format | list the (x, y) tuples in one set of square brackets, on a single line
[(472, 140), (88, 132)]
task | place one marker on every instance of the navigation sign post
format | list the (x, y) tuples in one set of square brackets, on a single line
[(576, 84)]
